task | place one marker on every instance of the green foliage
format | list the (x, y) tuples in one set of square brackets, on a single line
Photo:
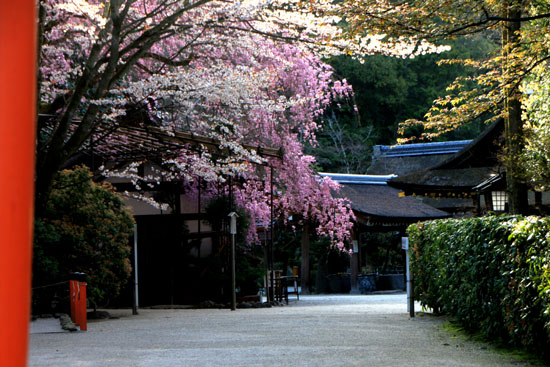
[(248, 263), (217, 215), (387, 91), (490, 273), (85, 228), (535, 158)]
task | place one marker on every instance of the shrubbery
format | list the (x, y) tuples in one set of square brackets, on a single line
[(85, 228), (491, 273)]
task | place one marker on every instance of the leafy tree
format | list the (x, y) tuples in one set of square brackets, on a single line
[(520, 25), (388, 90), (85, 228), (344, 145), (536, 156), (243, 74)]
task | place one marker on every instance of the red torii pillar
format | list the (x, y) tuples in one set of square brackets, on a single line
[(17, 142)]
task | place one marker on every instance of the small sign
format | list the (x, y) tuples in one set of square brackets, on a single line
[(404, 243), (355, 246), (233, 224)]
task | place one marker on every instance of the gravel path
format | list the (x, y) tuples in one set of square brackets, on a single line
[(372, 330)]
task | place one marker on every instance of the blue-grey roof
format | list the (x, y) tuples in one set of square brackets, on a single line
[(344, 178), (447, 147)]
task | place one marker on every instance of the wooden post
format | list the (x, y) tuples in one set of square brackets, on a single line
[(135, 292), (354, 267), (410, 292), (354, 261), (72, 294), (233, 231), (272, 238), (304, 282), (82, 306), (17, 139), (79, 303)]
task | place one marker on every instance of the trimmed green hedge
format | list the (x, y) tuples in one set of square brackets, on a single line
[(491, 273)]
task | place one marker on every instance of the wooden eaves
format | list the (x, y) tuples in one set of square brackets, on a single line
[(133, 142), (457, 176)]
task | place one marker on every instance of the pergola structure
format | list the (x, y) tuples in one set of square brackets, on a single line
[(130, 142)]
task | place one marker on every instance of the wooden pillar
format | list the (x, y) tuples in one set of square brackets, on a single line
[(354, 262), (304, 281), (488, 202), (17, 148), (477, 203), (199, 219), (272, 231), (174, 260)]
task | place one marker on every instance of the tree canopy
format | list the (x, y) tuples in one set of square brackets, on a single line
[(240, 73), (493, 92), (536, 156), (243, 73)]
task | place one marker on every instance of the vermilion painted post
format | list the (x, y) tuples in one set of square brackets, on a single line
[(82, 309), (17, 138)]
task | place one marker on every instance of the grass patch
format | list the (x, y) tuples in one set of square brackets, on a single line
[(456, 331)]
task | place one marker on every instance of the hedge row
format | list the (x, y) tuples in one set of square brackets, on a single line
[(491, 273)]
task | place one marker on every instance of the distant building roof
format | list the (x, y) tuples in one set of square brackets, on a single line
[(377, 204), (462, 172), (344, 178), (402, 159), (447, 147)]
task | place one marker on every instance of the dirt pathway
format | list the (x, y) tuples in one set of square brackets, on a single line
[(373, 330)]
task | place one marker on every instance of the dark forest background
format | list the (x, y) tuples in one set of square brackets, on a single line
[(387, 91)]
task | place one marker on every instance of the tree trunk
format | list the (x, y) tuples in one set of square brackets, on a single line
[(517, 190)]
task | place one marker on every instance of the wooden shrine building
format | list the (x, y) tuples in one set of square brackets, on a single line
[(178, 253), (471, 182), (378, 207)]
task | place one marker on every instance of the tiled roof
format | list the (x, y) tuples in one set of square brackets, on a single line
[(446, 147), (475, 163), (345, 178), (460, 178), (384, 201), (137, 141), (484, 151), (371, 196), (403, 159)]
